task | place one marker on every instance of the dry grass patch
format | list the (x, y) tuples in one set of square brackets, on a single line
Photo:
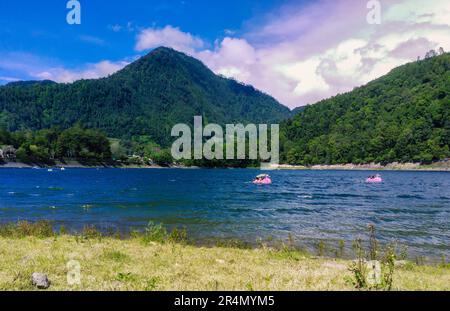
[(113, 264)]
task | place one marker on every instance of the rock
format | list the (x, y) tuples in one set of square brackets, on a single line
[(40, 280)]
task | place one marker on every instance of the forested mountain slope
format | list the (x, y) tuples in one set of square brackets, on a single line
[(147, 98), (403, 116)]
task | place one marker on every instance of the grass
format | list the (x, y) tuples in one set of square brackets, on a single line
[(161, 260), (114, 264)]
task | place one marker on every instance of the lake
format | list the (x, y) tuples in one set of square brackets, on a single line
[(412, 208)]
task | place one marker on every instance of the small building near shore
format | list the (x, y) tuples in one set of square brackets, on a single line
[(7, 152)]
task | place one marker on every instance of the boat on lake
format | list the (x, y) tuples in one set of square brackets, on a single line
[(262, 179), (375, 179)]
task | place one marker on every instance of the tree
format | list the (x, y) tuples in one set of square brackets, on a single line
[(85, 144), (5, 137), (402, 116), (430, 54), (163, 158)]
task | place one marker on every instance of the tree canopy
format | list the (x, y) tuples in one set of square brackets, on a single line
[(403, 117), (47, 145), (147, 97)]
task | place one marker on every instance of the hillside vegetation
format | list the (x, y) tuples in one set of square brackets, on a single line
[(146, 98), (403, 116), (47, 145), (400, 117)]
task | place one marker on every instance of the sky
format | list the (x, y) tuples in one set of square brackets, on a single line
[(299, 51)]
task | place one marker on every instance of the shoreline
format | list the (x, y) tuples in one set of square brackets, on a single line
[(157, 259), (158, 232), (134, 264), (75, 164), (443, 166)]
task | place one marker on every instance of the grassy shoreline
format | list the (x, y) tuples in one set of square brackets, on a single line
[(114, 264), (160, 260)]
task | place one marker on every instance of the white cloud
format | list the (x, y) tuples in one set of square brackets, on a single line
[(8, 79), (297, 54), (417, 11), (115, 27), (168, 36), (129, 26), (27, 66), (302, 55), (229, 32), (232, 58), (92, 71)]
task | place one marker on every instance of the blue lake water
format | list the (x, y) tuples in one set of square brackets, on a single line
[(412, 208)]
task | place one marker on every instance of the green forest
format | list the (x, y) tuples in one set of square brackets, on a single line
[(400, 117), (146, 98), (87, 146), (47, 145), (127, 117)]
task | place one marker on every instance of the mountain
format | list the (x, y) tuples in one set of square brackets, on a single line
[(403, 116), (32, 82), (297, 110), (147, 97)]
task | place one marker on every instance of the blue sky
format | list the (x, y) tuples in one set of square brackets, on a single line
[(299, 51), (40, 27)]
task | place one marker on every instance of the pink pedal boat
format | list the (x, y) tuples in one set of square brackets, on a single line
[(262, 179), (374, 179)]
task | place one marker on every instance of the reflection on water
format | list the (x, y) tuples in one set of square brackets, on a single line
[(412, 208)]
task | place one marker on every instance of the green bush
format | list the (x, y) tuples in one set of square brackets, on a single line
[(41, 229), (359, 267)]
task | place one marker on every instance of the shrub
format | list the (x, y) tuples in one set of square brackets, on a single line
[(321, 248), (41, 229), (178, 236), (362, 276), (91, 232), (155, 233)]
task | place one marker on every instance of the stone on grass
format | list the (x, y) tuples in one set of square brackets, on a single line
[(40, 280)]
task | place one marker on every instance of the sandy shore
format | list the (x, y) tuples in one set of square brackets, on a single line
[(443, 166)]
